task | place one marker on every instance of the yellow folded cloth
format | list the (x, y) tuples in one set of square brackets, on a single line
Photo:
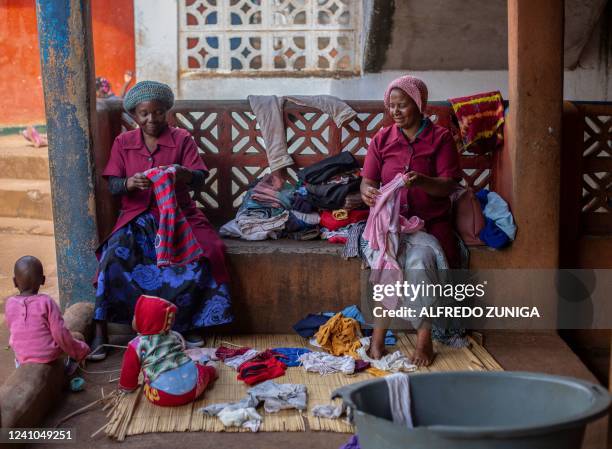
[(340, 214), (340, 336)]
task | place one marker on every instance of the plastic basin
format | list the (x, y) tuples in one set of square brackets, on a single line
[(479, 410)]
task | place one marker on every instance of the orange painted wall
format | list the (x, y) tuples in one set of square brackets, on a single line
[(21, 98), (21, 95)]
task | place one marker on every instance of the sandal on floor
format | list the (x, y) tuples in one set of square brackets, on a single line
[(98, 352)]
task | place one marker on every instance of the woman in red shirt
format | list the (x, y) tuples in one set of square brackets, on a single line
[(127, 258), (427, 152)]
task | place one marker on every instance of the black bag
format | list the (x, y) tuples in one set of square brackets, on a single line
[(328, 168)]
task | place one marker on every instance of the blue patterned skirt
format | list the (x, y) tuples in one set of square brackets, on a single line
[(128, 268)]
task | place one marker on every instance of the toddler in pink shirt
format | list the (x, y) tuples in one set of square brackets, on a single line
[(37, 330)]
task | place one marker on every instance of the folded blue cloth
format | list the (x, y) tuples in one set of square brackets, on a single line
[(309, 326), (482, 197), (496, 210), (493, 236), (294, 224), (290, 356)]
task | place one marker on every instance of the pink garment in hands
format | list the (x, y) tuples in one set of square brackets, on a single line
[(383, 229)]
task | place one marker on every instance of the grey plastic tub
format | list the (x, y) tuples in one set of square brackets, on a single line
[(461, 410)]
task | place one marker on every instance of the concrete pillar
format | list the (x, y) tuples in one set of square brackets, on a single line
[(66, 54), (535, 72)]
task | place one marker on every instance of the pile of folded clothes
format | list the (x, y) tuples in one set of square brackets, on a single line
[(326, 186), (328, 182), (267, 212), (322, 204)]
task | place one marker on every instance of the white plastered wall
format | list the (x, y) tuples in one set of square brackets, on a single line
[(156, 26)]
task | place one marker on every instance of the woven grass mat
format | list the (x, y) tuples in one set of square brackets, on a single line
[(132, 414)]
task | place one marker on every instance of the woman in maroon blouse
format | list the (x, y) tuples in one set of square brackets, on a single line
[(127, 259), (427, 152)]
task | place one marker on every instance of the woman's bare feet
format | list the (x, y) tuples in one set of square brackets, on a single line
[(377, 345), (424, 353)]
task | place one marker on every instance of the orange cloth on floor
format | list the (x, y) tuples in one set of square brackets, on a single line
[(340, 336), (377, 372)]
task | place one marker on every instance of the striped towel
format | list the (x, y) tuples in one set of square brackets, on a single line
[(175, 243), (480, 118)]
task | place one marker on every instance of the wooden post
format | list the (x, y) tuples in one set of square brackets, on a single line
[(66, 55), (535, 76)]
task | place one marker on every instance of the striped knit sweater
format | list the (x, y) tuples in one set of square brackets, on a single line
[(175, 243)]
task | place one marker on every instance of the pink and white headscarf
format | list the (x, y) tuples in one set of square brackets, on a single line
[(414, 87)]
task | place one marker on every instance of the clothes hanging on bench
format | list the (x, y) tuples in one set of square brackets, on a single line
[(351, 247), (480, 118), (268, 110)]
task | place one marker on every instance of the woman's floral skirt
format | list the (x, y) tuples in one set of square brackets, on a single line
[(128, 268)]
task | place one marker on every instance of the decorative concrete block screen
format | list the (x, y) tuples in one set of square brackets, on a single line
[(259, 37), (596, 198), (231, 145)]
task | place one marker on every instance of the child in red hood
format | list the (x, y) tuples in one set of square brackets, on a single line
[(171, 378)]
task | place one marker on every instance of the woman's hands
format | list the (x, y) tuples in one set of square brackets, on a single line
[(416, 179), (434, 186), (369, 191), (137, 182), (140, 182), (183, 175), (352, 201)]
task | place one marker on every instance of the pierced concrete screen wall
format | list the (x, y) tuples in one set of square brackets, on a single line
[(269, 37)]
